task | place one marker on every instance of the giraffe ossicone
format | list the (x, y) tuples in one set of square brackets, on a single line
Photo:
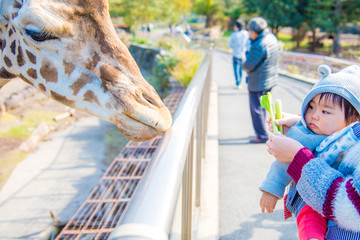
[(69, 50)]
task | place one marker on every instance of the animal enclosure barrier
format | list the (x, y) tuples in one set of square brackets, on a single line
[(98, 216), (128, 193)]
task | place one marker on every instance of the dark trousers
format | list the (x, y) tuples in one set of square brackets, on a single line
[(237, 64), (258, 114)]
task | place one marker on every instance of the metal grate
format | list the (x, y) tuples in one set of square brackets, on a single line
[(98, 216)]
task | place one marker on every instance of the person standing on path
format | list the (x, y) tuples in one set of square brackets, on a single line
[(261, 66), (238, 41)]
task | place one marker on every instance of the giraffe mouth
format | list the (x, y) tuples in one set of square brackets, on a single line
[(144, 117), (141, 114), (142, 129)]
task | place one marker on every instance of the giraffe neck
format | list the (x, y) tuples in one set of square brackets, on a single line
[(70, 51)]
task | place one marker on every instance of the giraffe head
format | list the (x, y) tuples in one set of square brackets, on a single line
[(69, 50)]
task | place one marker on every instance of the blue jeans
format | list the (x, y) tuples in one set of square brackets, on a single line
[(258, 114), (237, 63)]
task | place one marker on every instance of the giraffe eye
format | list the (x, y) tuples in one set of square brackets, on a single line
[(39, 36)]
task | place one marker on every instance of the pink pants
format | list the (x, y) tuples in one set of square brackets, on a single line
[(310, 224)]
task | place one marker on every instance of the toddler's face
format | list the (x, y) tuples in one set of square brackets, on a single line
[(324, 117)]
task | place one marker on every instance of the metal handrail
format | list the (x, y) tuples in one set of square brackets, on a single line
[(151, 211), (305, 65)]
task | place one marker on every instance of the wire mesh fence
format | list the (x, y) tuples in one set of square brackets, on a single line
[(101, 212)]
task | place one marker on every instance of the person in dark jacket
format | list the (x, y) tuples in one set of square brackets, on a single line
[(262, 68)]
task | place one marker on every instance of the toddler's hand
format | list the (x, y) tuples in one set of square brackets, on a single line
[(287, 121), (282, 147), (268, 202)]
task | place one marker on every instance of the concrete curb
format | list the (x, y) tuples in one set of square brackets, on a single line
[(208, 216), (299, 77)]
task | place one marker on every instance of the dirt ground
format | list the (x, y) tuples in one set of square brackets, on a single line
[(25, 98)]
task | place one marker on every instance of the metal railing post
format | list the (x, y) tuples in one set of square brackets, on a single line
[(205, 102), (148, 216), (187, 193), (199, 151)]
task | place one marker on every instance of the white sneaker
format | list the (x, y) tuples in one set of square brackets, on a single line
[(236, 87)]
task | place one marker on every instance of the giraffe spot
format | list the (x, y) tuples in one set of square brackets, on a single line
[(31, 57), (13, 47), (42, 87), (68, 67), (3, 44), (90, 96), (10, 32), (108, 73), (7, 61), (26, 80), (108, 105), (20, 57), (16, 4), (62, 99), (80, 83), (32, 73), (92, 62), (5, 74), (48, 71), (14, 15)]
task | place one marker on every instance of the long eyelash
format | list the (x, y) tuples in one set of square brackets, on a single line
[(39, 37)]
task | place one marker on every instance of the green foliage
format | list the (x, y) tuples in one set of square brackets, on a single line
[(161, 73), (140, 40), (137, 12), (209, 8), (167, 43), (237, 11), (23, 129), (164, 66), (278, 13), (289, 43), (329, 15), (189, 61)]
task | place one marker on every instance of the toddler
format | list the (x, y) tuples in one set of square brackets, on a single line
[(329, 109)]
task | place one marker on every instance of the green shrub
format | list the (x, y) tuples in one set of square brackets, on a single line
[(189, 61), (161, 74), (141, 41), (23, 129), (167, 43)]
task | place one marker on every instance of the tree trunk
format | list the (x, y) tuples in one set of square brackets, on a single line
[(298, 35), (336, 40), (275, 30), (208, 21), (313, 41), (336, 43)]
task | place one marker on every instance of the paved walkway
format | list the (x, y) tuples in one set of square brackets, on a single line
[(243, 166), (58, 176)]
